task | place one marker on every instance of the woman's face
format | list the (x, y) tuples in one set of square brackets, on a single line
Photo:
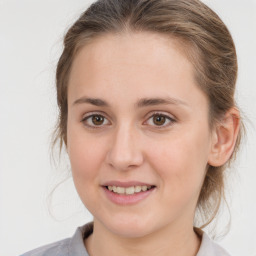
[(136, 118)]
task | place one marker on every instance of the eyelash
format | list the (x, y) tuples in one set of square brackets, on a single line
[(170, 120), (92, 126)]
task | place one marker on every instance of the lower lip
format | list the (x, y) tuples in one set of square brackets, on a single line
[(123, 199)]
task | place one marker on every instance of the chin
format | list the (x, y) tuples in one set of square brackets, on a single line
[(131, 232), (129, 228)]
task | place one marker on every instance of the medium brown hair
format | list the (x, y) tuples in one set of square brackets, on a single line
[(206, 42)]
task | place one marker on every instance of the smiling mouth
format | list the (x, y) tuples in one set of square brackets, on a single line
[(129, 190)]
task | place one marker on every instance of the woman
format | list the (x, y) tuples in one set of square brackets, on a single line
[(145, 90)]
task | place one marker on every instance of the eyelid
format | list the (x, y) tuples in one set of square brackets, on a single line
[(100, 113), (94, 113), (170, 117)]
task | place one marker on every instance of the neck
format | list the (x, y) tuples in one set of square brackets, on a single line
[(167, 241)]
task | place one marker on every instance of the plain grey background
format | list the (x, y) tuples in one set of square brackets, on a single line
[(31, 35)]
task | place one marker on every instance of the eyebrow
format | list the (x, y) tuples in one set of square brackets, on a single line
[(144, 102), (92, 101), (159, 101)]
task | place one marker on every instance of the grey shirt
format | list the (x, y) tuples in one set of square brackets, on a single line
[(74, 246)]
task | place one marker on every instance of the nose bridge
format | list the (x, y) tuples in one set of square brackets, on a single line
[(125, 149)]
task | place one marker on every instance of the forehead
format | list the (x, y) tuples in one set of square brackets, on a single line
[(137, 47), (130, 64), (153, 51), (146, 43)]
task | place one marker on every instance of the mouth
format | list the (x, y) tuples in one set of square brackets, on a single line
[(129, 190), (128, 193)]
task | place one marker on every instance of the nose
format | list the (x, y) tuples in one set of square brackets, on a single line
[(124, 152)]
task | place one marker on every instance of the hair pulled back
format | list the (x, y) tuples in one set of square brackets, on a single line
[(206, 42)]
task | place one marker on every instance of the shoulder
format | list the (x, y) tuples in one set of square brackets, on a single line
[(57, 248), (210, 248), (73, 246)]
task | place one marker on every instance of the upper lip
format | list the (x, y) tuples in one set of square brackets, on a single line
[(125, 184)]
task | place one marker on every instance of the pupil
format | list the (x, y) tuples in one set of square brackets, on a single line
[(97, 120), (159, 120)]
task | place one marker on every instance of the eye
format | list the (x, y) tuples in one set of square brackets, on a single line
[(95, 121), (160, 120)]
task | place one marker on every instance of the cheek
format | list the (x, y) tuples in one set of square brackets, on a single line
[(85, 158), (181, 161)]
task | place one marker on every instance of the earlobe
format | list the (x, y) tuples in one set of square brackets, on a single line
[(224, 138)]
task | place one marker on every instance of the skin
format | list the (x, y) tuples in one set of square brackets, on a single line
[(121, 70)]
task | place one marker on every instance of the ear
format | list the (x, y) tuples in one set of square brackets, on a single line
[(224, 138)]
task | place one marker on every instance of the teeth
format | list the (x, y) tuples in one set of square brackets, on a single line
[(144, 188), (120, 190), (129, 190), (137, 189)]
